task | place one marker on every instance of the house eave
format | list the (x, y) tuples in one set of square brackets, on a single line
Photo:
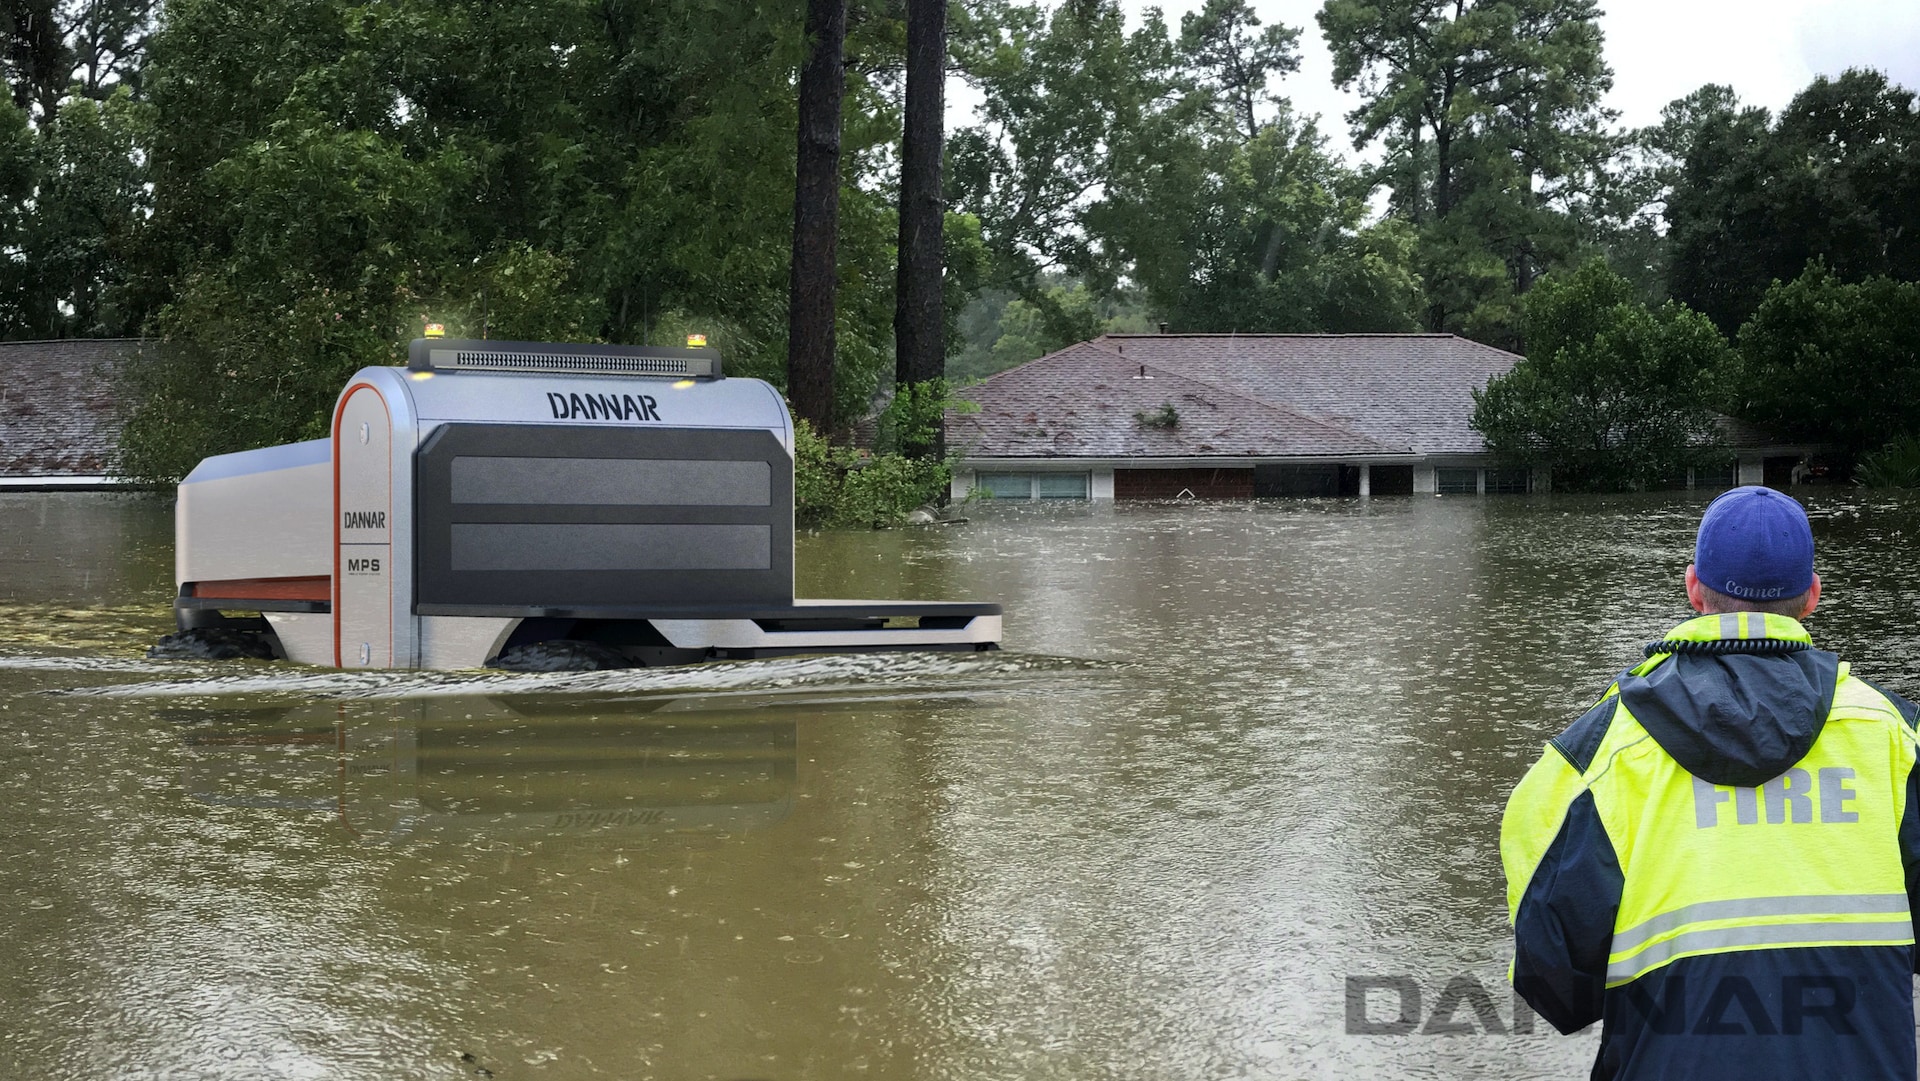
[(68, 483), (1216, 461)]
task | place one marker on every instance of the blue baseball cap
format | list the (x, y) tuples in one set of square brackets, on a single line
[(1755, 544)]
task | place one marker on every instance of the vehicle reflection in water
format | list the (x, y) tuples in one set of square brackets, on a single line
[(452, 767)]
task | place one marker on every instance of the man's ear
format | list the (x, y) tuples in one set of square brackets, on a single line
[(1813, 598), (1699, 599)]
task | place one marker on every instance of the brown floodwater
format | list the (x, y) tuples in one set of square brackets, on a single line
[(1233, 758)]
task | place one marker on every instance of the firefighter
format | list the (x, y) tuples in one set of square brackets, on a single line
[(1718, 860)]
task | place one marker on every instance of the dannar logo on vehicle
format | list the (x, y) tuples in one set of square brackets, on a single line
[(603, 406), (364, 519)]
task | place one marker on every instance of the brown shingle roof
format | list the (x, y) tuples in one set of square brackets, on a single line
[(58, 413), (1082, 401), (1408, 389), (1271, 395)]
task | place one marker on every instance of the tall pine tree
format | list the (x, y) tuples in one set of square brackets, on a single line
[(1490, 114), (816, 217), (919, 320)]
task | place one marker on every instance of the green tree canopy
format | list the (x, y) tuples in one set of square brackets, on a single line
[(1628, 209), (1166, 168), (73, 185), (1489, 113), (284, 192), (328, 176), (1612, 394), (1070, 100), (1831, 361), (1264, 236), (1835, 178), (1236, 58)]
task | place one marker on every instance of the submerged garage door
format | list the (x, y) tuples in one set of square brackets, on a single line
[(576, 516), (1223, 483)]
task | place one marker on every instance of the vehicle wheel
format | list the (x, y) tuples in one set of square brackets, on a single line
[(560, 655), (212, 644)]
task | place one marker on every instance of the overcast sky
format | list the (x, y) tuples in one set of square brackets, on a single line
[(1767, 50)]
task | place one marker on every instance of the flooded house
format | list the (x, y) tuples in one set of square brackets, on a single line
[(1235, 416)]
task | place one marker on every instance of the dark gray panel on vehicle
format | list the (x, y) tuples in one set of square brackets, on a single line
[(517, 516), (588, 546), (589, 481)]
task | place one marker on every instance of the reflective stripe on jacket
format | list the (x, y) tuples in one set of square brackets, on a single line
[(1720, 854)]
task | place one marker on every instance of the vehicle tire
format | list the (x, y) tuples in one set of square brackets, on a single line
[(212, 644), (560, 655)]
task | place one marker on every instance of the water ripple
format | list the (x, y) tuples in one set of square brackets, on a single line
[(810, 672)]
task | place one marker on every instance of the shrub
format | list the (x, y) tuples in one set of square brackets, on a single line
[(1829, 361), (836, 486), (1896, 465)]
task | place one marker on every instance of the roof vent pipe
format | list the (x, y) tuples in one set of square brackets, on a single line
[(1163, 327)]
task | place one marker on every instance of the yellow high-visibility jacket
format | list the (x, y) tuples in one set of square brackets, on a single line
[(1719, 861)]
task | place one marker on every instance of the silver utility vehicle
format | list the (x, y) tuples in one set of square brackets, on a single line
[(491, 498)]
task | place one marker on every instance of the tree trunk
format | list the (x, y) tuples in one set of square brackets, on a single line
[(919, 315), (1411, 177), (1443, 152), (1270, 259), (42, 64), (816, 217), (1443, 132), (1523, 272)]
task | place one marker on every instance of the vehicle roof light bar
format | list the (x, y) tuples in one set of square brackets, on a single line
[(659, 361)]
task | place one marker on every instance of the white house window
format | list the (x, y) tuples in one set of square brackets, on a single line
[(1719, 475), (1059, 486), (1506, 481), (1458, 481), (1005, 485), (1033, 485)]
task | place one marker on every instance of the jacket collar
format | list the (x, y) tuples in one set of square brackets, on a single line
[(1735, 632), (1740, 625)]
